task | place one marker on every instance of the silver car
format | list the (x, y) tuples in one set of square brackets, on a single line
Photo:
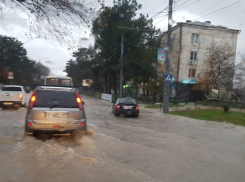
[(55, 110)]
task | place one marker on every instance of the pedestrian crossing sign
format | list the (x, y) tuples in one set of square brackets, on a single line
[(168, 78)]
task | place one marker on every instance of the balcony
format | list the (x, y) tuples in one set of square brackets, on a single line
[(193, 62)]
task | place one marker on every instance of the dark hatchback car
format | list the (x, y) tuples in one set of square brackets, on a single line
[(126, 106), (55, 110)]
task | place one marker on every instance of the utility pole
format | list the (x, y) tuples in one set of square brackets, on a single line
[(121, 58), (121, 70), (166, 87)]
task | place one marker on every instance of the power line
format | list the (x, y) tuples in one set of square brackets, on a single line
[(165, 9), (218, 10), (154, 9), (181, 5), (177, 9), (180, 8), (157, 6), (108, 55), (187, 5), (209, 8), (162, 19), (228, 10), (115, 51)]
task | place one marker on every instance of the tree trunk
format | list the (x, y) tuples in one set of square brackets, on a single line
[(109, 91), (144, 88), (115, 83), (106, 84)]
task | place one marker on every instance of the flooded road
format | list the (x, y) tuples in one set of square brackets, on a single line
[(153, 147)]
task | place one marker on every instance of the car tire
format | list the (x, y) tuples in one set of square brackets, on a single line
[(115, 114), (136, 115), (27, 131)]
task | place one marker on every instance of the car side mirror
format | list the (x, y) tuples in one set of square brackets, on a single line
[(83, 103)]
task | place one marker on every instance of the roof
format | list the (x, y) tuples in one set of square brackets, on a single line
[(204, 24), (12, 86), (58, 76), (55, 88)]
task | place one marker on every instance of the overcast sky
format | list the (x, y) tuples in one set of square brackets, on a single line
[(229, 13)]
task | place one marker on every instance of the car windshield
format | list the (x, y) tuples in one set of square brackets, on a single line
[(126, 101), (58, 82), (11, 89), (57, 99)]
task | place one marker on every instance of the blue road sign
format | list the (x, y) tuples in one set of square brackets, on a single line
[(168, 78)]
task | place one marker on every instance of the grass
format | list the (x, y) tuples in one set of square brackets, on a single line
[(156, 106), (153, 106), (237, 118)]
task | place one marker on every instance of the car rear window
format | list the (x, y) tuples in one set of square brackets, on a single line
[(57, 99), (127, 101), (11, 89)]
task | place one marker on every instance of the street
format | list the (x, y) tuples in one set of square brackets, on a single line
[(153, 147)]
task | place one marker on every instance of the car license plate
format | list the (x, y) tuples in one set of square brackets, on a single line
[(127, 107), (56, 115), (7, 103)]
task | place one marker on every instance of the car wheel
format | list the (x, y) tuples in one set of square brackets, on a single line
[(136, 115), (115, 114), (27, 131)]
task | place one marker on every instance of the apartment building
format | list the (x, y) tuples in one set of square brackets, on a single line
[(190, 41)]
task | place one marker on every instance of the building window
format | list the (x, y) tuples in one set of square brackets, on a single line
[(193, 56), (192, 73), (195, 38)]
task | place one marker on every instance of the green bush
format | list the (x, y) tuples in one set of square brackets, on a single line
[(205, 102), (226, 108), (175, 102)]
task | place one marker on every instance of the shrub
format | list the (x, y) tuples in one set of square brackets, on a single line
[(226, 108), (205, 102)]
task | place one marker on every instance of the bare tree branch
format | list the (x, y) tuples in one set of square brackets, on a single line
[(57, 17)]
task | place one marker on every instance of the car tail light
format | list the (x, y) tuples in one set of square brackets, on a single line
[(117, 106), (33, 99), (79, 101), (137, 107), (29, 124), (81, 124), (21, 96)]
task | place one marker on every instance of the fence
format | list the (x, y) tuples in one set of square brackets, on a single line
[(179, 105)]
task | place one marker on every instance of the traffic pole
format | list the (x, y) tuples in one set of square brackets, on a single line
[(166, 87)]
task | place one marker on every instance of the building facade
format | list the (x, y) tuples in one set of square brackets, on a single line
[(190, 41)]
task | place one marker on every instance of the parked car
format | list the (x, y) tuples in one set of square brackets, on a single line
[(126, 106), (13, 95), (55, 110)]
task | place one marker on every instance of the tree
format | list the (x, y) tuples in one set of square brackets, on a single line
[(140, 48), (108, 38), (219, 67), (53, 19), (138, 45), (13, 57)]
